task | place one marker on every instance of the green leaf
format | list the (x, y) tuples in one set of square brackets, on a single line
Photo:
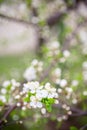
[(73, 128), (26, 99), (9, 87), (48, 103), (49, 108), (1, 103), (28, 2), (51, 100), (42, 23)]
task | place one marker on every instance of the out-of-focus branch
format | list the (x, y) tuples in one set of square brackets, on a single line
[(55, 18), (78, 112), (66, 44), (13, 19), (7, 113), (45, 74), (83, 127), (52, 20)]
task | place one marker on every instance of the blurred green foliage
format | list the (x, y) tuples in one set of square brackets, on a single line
[(12, 66), (73, 128)]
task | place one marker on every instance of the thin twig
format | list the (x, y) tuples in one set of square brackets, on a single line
[(13, 19)]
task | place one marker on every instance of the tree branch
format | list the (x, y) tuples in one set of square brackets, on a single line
[(52, 20), (6, 114), (13, 19), (83, 127)]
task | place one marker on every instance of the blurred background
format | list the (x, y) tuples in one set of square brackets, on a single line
[(27, 25)]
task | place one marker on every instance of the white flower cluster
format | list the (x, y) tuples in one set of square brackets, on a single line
[(64, 116), (53, 49), (34, 70), (68, 91), (12, 84), (7, 89), (64, 88), (56, 75), (74, 83), (61, 118), (56, 78), (65, 55), (38, 93), (2, 99)]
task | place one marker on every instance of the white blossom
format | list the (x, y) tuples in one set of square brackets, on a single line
[(3, 91), (2, 99), (47, 86), (59, 119), (14, 83), (59, 90), (31, 86), (17, 96), (18, 104), (53, 48), (30, 74), (39, 104), (84, 65), (34, 62), (32, 98), (74, 101), (11, 83), (41, 94), (83, 36), (6, 83), (65, 117), (43, 111), (63, 83), (67, 108), (69, 90), (23, 108), (58, 81), (33, 104), (85, 93), (21, 122), (36, 104), (57, 72), (69, 112), (62, 60), (54, 45), (66, 53), (56, 102), (64, 106), (75, 83)]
